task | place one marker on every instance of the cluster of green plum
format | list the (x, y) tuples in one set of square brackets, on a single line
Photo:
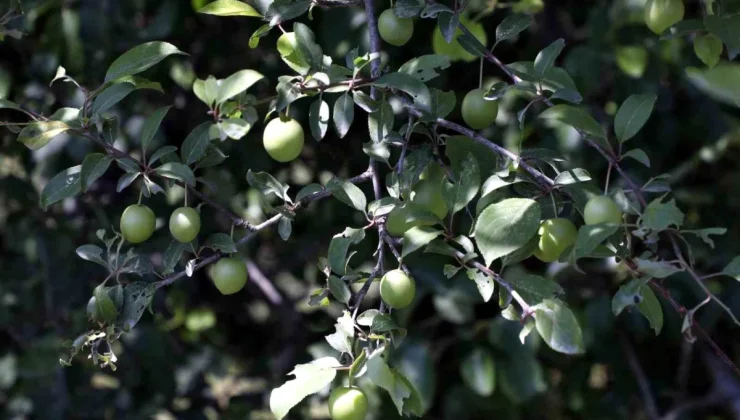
[(397, 289), (137, 225)]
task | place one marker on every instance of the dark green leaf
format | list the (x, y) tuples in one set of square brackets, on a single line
[(177, 171), (465, 188), (162, 151), (425, 67), (348, 193), (629, 294), (307, 191), (365, 101), (126, 179), (339, 289), (63, 185), (104, 305), (726, 28), (650, 307), (407, 8), (572, 176), (632, 115), (254, 40), (136, 298), (139, 59), (656, 269), (721, 82), (567, 94), (410, 85), (285, 228), (591, 236), (282, 10), (344, 114), (659, 216), (380, 122), (267, 184), (339, 246), (220, 242), (638, 155), (733, 268), (575, 117), (546, 58), (195, 144), (93, 167), (92, 253), (172, 255), (111, 96), (512, 26)]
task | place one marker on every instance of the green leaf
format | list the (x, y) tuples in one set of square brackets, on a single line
[(632, 116), (93, 167), (656, 269), (285, 228), (417, 237), (483, 282), (460, 147), (629, 294), (567, 94), (339, 246), (572, 176), (104, 304), (650, 307), (220, 242), (575, 117), (704, 234), (282, 10), (65, 184), (4, 103), (234, 128), (425, 67), (348, 193), (534, 289), (558, 327), (236, 84), (591, 236), (553, 80), (447, 23), (310, 378), (478, 371), (384, 377), (195, 144), (546, 58), (307, 191), (229, 8), (309, 50), (318, 118), (365, 101), (378, 151), (151, 125), (136, 298), (92, 253), (407, 8), (178, 171), (506, 226), (366, 318), (512, 26), (733, 268), (471, 43), (659, 216), (172, 255), (465, 188), (383, 323), (341, 340), (162, 151), (726, 28), (339, 289), (410, 85), (139, 59), (638, 155), (128, 165), (685, 27), (442, 103), (380, 122), (344, 114), (111, 96), (721, 82), (254, 40), (39, 134), (126, 179)]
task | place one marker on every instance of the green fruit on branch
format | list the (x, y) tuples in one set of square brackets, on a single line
[(229, 275), (427, 195), (283, 139), (555, 236), (393, 29), (137, 223), (662, 14), (453, 50), (397, 289), (185, 224), (477, 112), (347, 403), (601, 209)]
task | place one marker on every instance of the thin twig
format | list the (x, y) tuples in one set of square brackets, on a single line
[(642, 382), (263, 283)]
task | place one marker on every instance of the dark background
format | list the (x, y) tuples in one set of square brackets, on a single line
[(204, 355)]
